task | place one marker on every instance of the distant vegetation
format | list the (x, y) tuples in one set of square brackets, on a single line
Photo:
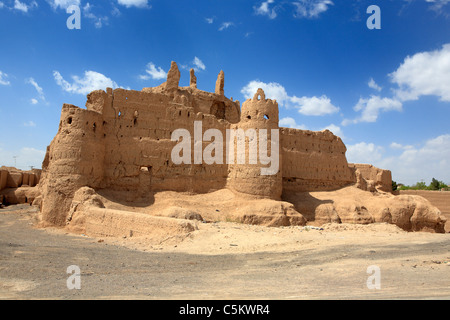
[(434, 185)]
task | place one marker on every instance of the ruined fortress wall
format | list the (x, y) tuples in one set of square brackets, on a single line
[(382, 179), (122, 141), (11, 177), (3, 178), (138, 130), (313, 161), (74, 159)]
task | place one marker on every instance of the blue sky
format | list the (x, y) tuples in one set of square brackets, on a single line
[(385, 92)]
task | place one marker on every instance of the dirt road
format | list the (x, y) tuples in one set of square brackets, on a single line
[(224, 261)]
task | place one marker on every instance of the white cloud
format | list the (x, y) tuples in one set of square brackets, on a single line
[(23, 6), (29, 124), (153, 73), (425, 73), (39, 90), (1, 5), (91, 81), (415, 163), (371, 108), (135, 3), (3, 80), (272, 90), (199, 65), (225, 25), (438, 4), (314, 106), (115, 12), (398, 146), (289, 122), (335, 129), (372, 84), (98, 21), (34, 101), (311, 8), (63, 4), (264, 9), (364, 153), (310, 106), (209, 20)]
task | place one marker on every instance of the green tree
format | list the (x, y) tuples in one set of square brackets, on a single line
[(394, 185), (419, 186), (434, 185)]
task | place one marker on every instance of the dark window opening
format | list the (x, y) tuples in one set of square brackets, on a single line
[(69, 120), (218, 110), (266, 117)]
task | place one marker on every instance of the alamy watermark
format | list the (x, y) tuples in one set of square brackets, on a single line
[(374, 280), (74, 280), (256, 139), (74, 20)]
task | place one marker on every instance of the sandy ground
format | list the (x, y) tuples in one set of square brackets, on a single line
[(224, 260)]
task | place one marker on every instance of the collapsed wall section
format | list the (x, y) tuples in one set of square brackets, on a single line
[(374, 177)]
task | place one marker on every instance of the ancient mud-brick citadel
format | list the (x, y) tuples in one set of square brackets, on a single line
[(122, 142)]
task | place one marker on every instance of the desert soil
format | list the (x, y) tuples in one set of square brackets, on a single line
[(223, 260)]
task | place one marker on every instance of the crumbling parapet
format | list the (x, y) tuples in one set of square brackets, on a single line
[(220, 84), (370, 178), (192, 79), (173, 78)]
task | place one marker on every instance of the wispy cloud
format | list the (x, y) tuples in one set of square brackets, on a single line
[(209, 20), (63, 4), (3, 80), (265, 10), (23, 6), (29, 124), (134, 3), (153, 72), (310, 8), (372, 84), (438, 4), (98, 21), (198, 64), (39, 90), (225, 25), (371, 108)]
